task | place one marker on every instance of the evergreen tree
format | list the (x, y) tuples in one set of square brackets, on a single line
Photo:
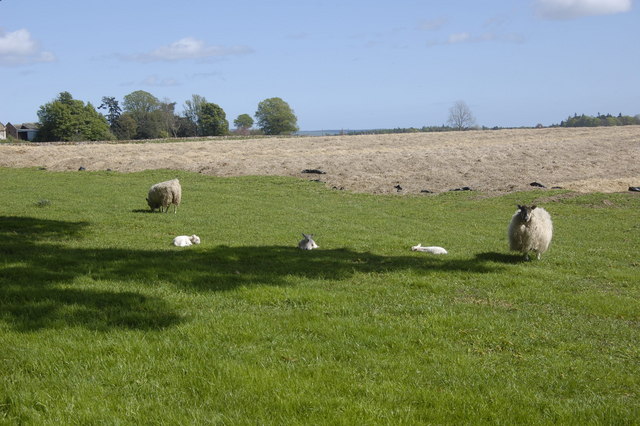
[(113, 109)]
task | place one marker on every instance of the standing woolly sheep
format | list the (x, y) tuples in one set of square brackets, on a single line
[(530, 229), (163, 194)]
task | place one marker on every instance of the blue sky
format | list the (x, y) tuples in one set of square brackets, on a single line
[(346, 64)]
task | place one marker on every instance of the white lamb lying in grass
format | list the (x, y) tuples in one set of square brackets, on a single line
[(430, 249), (307, 243), (186, 240)]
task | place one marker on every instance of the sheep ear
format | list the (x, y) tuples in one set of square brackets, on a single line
[(519, 207), (533, 207)]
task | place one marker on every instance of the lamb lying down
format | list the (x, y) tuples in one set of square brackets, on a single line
[(430, 249), (307, 243), (186, 240)]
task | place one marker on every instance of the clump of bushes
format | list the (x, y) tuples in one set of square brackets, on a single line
[(600, 120)]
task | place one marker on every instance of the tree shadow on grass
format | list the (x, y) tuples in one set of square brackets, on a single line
[(36, 273), (500, 257), (223, 268), (38, 286)]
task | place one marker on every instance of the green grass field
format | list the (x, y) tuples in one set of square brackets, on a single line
[(102, 321)]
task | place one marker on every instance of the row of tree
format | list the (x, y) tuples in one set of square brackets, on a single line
[(600, 120), (143, 116)]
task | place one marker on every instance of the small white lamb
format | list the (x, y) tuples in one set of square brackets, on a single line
[(307, 243), (429, 249), (530, 229), (186, 240)]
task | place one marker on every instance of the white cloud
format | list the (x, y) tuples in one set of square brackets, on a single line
[(189, 48), (18, 48), (432, 25), (207, 75), (155, 81), (570, 9), (459, 38)]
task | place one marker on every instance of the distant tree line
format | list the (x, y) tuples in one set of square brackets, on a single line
[(141, 115), (460, 118), (600, 120), (401, 130)]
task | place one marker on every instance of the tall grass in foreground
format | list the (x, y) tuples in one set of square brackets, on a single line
[(102, 321)]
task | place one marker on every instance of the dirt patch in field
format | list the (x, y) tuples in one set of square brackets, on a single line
[(603, 159)]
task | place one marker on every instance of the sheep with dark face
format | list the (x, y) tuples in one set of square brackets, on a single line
[(163, 194), (530, 230)]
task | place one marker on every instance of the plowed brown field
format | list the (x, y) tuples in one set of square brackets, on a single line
[(605, 159)]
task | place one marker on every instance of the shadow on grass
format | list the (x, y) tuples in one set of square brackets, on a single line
[(36, 274), (38, 287), (500, 257)]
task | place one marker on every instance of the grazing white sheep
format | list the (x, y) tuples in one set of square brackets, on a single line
[(163, 194), (307, 243), (186, 240), (530, 230), (429, 249)]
